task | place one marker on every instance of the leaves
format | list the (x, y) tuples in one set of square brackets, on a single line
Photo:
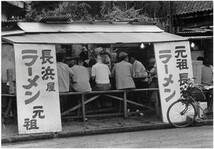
[(103, 10)]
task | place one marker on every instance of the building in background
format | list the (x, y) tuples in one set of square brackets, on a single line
[(194, 19), (12, 12)]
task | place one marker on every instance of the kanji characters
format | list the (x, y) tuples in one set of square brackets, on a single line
[(30, 124), (170, 96), (50, 86), (182, 64), (31, 56), (46, 56), (48, 73), (168, 80), (165, 54), (31, 82), (37, 112), (32, 98), (180, 52), (181, 57), (183, 78)]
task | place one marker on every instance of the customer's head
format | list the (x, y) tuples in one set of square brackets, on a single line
[(206, 62), (200, 58), (100, 58), (72, 63), (132, 58), (92, 62), (123, 56), (59, 57)]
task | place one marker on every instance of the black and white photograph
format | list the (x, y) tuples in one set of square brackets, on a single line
[(107, 74)]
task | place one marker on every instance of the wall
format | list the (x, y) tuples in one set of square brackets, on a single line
[(196, 54), (8, 60)]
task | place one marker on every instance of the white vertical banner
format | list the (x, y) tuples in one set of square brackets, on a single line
[(37, 89), (174, 67)]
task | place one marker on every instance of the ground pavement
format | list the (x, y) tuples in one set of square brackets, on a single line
[(92, 126)]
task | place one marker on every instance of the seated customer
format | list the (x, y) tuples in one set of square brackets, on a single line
[(139, 72), (123, 72), (100, 74), (154, 95), (63, 73), (80, 77), (207, 73)]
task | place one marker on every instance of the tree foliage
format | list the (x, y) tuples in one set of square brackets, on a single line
[(77, 10), (99, 10)]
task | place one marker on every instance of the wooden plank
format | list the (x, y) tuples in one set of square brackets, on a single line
[(94, 116), (8, 108), (115, 97), (91, 99), (141, 105), (125, 104), (11, 79), (8, 95), (72, 109), (83, 107), (71, 93), (98, 92), (105, 115)]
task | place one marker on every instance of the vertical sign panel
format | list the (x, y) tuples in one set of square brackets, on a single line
[(174, 67), (37, 89)]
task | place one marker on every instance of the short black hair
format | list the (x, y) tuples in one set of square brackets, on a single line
[(123, 57), (92, 62), (59, 57), (200, 58), (132, 55)]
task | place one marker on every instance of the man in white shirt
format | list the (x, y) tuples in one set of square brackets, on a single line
[(140, 74), (64, 73), (100, 73)]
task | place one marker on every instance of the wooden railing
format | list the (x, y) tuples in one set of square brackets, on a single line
[(94, 95)]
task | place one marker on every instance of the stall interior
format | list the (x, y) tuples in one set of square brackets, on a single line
[(86, 56)]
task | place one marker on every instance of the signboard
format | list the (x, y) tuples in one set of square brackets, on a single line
[(174, 67), (37, 89)]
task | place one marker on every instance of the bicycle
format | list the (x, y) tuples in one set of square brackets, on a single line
[(183, 112)]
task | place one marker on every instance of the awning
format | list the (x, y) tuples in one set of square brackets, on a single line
[(13, 32), (91, 38), (199, 37), (35, 27)]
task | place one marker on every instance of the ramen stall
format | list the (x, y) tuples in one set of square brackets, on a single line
[(36, 74)]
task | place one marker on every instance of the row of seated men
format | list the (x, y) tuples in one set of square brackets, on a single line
[(128, 73)]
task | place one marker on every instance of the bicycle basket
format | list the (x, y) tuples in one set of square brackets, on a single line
[(198, 94)]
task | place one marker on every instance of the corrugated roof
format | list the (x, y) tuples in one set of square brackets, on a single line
[(62, 18), (34, 27), (11, 21), (91, 38), (13, 32), (186, 7)]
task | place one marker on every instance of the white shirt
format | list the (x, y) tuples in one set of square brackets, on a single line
[(207, 75), (64, 73), (139, 69), (80, 78), (101, 73)]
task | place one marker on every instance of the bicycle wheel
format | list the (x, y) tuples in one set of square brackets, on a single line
[(181, 113)]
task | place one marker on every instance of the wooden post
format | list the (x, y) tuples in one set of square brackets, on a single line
[(11, 80), (125, 104), (83, 106)]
